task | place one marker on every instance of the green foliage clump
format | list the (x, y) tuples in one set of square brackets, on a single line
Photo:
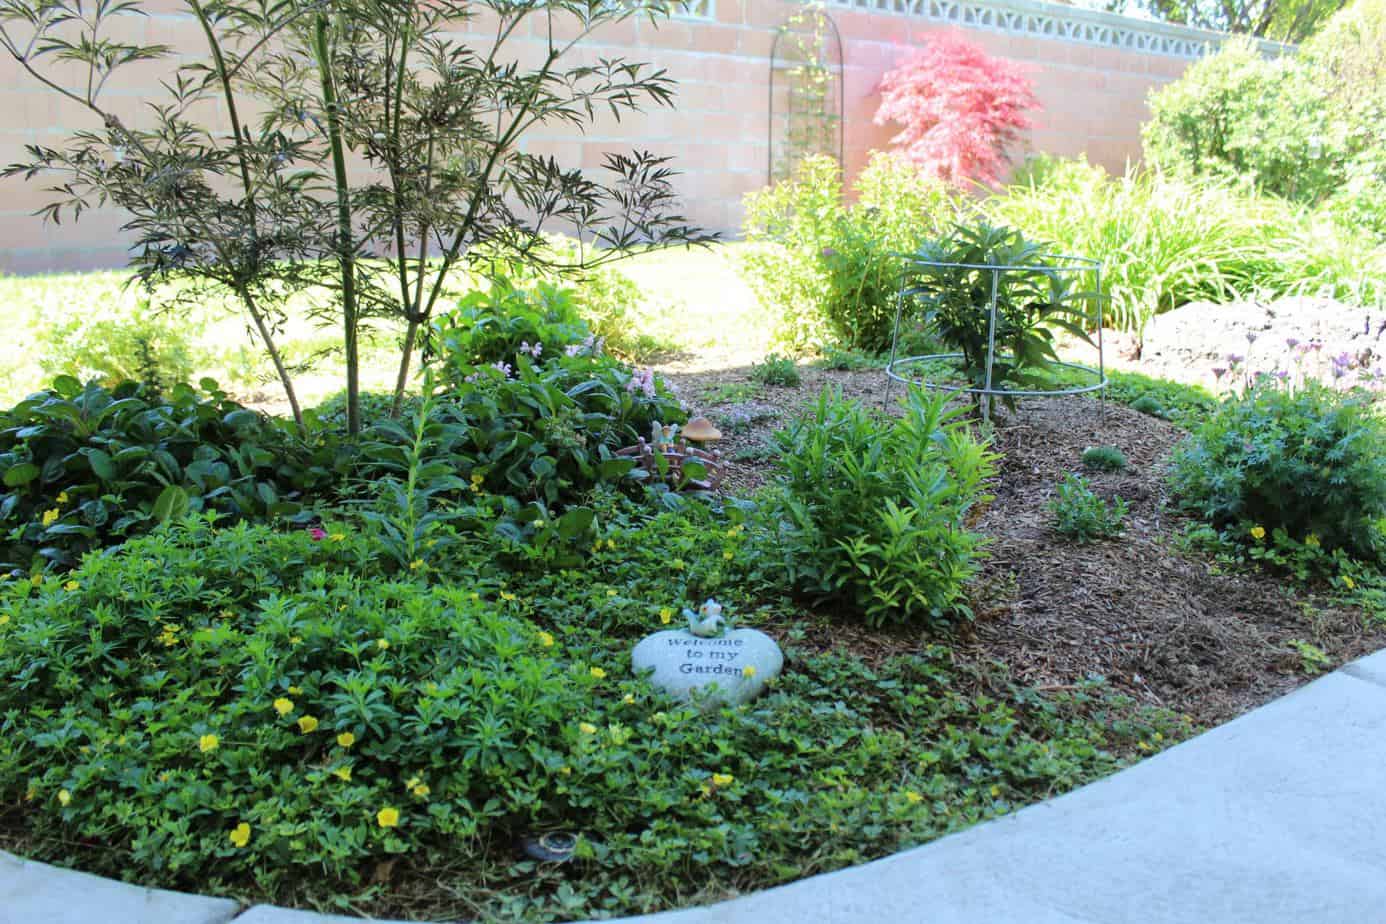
[(1032, 302), (1305, 127), (85, 467), (157, 349), (1104, 459), (1166, 240), (1307, 460), (871, 514), (1081, 515), (1149, 404), (831, 271), (544, 429), (776, 370), (492, 324)]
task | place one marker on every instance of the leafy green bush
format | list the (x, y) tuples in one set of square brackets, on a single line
[(1104, 459), (871, 514), (776, 370), (1081, 515), (832, 271), (1307, 460), (84, 467), (1031, 303), (497, 323), (1305, 127), (157, 349)]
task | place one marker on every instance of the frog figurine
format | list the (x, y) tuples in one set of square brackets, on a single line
[(708, 622)]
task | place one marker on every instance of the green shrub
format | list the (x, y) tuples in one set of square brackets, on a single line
[(1149, 404), (1104, 459), (1032, 302), (85, 467), (1081, 515), (1307, 460), (871, 514), (157, 349), (1305, 127), (776, 370), (831, 272), (493, 325)]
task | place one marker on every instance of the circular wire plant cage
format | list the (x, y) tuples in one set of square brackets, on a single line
[(920, 370)]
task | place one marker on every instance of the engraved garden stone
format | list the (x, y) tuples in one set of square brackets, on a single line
[(738, 662)]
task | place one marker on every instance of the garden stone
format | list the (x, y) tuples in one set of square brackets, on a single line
[(683, 663)]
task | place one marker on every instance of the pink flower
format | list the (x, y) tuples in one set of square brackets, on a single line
[(317, 534)]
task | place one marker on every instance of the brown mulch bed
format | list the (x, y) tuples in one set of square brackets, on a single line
[(1164, 624)]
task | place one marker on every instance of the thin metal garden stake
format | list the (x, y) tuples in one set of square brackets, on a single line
[(986, 397)]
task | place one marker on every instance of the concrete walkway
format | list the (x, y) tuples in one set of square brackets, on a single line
[(1276, 818)]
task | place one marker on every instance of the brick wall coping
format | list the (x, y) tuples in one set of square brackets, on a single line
[(1038, 19)]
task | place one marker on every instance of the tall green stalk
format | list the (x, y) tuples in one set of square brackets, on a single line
[(346, 251)]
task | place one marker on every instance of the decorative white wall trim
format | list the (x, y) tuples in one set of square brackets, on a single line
[(1038, 19)]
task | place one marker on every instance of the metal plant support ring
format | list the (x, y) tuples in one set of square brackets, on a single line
[(899, 367)]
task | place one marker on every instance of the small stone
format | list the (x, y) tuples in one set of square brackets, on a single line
[(739, 663)]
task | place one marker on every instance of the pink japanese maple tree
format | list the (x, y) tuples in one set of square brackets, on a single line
[(959, 106)]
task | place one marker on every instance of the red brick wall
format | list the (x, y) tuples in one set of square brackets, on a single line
[(1093, 97)]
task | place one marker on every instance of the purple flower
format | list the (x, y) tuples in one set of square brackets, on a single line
[(1282, 375), (1315, 345), (1291, 342), (1219, 372), (1251, 336), (642, 380), (502, 367), (1234, 359), (531, 350)]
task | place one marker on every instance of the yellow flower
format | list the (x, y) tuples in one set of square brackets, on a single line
[(383, 644), (36, 580), (412, 782), (1312, 541), (611, 543), (1142, 745), (587, 728), (995, 791), (721, 779), (913, 798), (473, 596), (62, 497), (307, 723), (628, 699), (387, 817), (416, 564), (545, 640), (240, 835), (598, 673), (565, 771), (283, 706), (1348, 582), (4, 618), (665, 615), (208, 743), (346, 739), (1258, 532), (748, 672), (477, 479), (295, 640), (343, 774), (64, 797), (507, 595), (336, 537), (421, 790), (50, 517), (611, 592), (1159, 736), (727, 555)]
